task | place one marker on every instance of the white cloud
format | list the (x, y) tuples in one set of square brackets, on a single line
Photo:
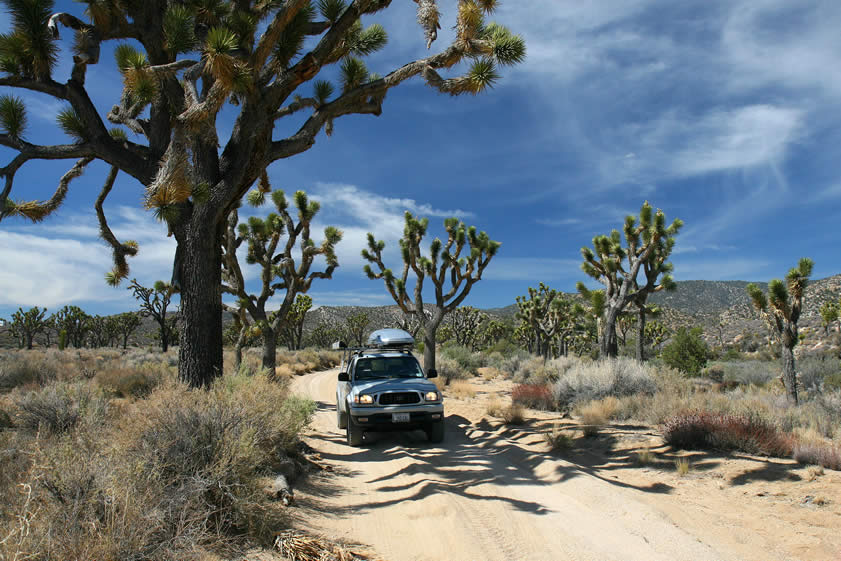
[(350, 298), (725, 269), (557, 222), (64, 262)]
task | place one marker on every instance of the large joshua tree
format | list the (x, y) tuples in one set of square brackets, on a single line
[(549, 315), (648, 244), (284, 252), (26, 325), (453, 266), (181, 61), (781, 310)]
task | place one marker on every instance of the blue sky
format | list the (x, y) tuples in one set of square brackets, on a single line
[(724, 114)]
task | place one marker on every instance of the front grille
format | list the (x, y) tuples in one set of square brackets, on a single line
[(399, 398)]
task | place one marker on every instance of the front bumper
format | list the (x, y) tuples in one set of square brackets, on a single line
[(382, 419)]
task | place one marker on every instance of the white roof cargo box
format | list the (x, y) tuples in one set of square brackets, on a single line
[(390, 338)]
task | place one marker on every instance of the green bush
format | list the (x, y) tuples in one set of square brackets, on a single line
[(128, 382), (686, 352), (449, 370)]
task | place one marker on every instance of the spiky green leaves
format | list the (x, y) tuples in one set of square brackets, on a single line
[(12, 116), (30, 48), (178, 27), (218, 62), (291, 40), (136, 77), (118, 134), (332, 10), (353, 73), (322, 90), (255, 198), (70, 122), (364, 42)]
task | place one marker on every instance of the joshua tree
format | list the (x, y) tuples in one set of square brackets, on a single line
[(181, 61), (445, 266), (154, 303), (356, 326), (643, 312), (293, 329), (493, 330), (124, 325), (548, 314), (465, 323), (781, 310), (829, 314), (26, 325), (411, 323), (648, 246), (74, 322), (100, 331), (323, 335), (280, 268)]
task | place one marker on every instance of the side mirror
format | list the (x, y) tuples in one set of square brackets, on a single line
[(431, 373), (343, 377)]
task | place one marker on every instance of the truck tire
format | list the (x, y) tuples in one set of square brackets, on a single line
[(435, 431), (354, 433)]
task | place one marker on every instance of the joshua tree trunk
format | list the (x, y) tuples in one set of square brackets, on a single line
[(430, 329), (789, 339), (269, 350), (641, 334), (199, 272), (609, 347)]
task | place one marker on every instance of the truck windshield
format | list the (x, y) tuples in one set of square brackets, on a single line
[(387, 367)]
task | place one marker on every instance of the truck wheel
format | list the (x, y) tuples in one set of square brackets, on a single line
[(435, 431), (341, 418), (354, 433)]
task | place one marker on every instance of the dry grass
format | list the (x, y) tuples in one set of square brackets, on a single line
[(489, 372), (511, 414), (645, 456), (298, 546), (814, 472), (89, 475), (593, 416), (559, 440), (682, 466), (461, 389)]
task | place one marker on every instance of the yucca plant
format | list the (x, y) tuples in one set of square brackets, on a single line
[(780, 308), (645, 253), (453, 266), (181, 62), (283, 251)]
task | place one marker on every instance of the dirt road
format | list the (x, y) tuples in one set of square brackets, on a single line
[(490, 494)]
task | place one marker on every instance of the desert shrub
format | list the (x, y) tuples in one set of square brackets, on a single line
[(449, 370), (538, 371), (714, 372), (750, 372), (533, 396), (208, 450), (511, 414), (596, 414), (24, 369), (813, 371), (5, 420), (588, 381), (686, 352), (466, 359), (832, 382), (60, 407), (558, 440), (745, 433), (510, 363), (129, 382), (818, 454)]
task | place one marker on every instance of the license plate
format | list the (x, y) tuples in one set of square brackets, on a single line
[(399, 417)]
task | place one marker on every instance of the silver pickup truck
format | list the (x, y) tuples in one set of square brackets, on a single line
[(382, 387)]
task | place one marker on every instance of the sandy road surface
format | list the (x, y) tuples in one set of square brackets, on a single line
[(478, 496)]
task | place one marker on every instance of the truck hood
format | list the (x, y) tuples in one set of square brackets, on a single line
[(394, 384)]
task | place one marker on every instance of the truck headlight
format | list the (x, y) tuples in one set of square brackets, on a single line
[(432, 396), (363, 399)]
